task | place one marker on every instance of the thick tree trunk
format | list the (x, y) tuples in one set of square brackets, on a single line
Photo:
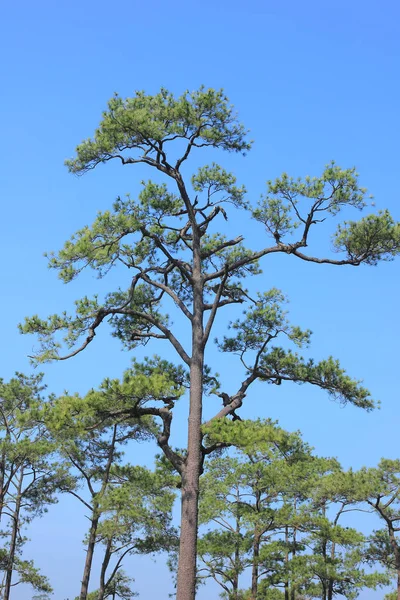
[(398, 584), (190, 490), (396, 552), (287, 590), (186, 580), (13, 541), (89, 558)]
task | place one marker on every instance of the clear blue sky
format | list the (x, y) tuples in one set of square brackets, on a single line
[(313, 81)]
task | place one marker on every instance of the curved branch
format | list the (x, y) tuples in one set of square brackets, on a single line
[(170, 293), (347, 261)]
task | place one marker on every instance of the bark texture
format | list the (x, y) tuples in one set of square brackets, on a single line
[(13, 541), (186, 580)]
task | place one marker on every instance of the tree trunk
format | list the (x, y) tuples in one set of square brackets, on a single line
[(235, 583), (287, 595), (330, 580), (398, 584), (104, 566), (3, 484), (89, 557), (2, 480), (96, 517), (293, 592), (324, 555), (13, 541), (186, 580), (190, 490), (254, 570), (396, 552)]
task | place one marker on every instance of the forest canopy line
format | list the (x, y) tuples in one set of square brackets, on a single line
[(273, 516), (171, 242)]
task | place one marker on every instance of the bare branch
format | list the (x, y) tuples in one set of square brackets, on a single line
[(214, 309), (236, 399), (348, 261), (167, 332), (171, 293), (221, 246), (178, 263), (246, 260)]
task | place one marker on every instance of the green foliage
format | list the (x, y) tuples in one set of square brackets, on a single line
[(326, 374), (263, 322), (203, 118), (266, 321), (281, 210), (373, 238), (28, 573), (275, 493), (380, 550), (30, 477), (119, 587), (174, 254), (213, 179), (153, 380), (154, 234)]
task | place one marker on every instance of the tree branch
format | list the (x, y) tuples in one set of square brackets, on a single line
[(214, 309)]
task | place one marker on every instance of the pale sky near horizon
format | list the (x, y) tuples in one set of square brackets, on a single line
[(313, 81)]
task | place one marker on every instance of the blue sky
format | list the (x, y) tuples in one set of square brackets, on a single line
[(312, 80)]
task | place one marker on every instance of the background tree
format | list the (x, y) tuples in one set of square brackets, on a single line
[(120, 587), (252, 489), (380, 488), (29, 478), (171, 243), (275, 511), (137, 520), (92, 448)]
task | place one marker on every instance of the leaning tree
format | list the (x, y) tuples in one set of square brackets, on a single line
[(171, 241)]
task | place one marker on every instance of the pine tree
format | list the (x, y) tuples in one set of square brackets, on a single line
[(29, 478), (380, 488), (172, 244), (121, 501)]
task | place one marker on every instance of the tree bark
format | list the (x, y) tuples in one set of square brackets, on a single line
[(89, 557), (398, 584), (254, 570), (186, 580), (104, 566), (3, 461), (94, 522), (13, 541), (396, 551), (186, 583), (235, 583), (330, 580), (2, 480), (293, 592), (287, 594)]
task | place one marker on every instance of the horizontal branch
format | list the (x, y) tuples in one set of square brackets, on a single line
[(347, 261)]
